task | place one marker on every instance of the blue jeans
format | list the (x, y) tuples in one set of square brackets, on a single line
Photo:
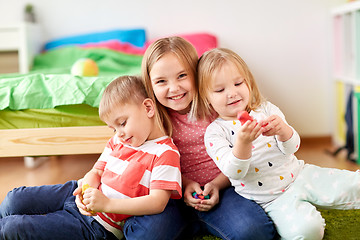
[(47, 212), (167, 225), (234, 217)]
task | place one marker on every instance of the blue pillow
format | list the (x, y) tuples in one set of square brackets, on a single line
[(135, 37)]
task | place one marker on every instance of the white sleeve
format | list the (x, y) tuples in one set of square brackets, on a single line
[(219, 148)]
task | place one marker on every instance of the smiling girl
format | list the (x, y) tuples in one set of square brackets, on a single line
[(170, 74)]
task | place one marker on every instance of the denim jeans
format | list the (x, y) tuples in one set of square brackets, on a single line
[(167, 225), (47, 212), (234, 217)]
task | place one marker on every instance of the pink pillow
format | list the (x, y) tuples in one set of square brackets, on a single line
[(117, 46), (201, 41)]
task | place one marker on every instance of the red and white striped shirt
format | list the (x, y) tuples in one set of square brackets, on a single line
[(131, 172)]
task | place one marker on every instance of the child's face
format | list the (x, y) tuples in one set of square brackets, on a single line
[(132, 123), (229, 93), (172, 83)]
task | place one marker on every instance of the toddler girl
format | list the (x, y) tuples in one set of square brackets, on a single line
[(258, 156)]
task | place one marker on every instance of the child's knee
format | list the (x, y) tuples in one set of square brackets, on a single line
[(12, 203), (311, 229)]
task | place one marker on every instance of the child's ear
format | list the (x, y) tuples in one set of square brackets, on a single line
[(149, 107)]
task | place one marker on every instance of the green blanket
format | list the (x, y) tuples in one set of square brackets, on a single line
[(109, 62), (50, 83), (60, 116)]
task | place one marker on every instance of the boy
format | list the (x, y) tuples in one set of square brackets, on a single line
[(136, 174)]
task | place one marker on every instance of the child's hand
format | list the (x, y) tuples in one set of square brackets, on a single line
[(246, 134), (77, 191), (276, 126), (212, 191), (188, 197), (94, 200), (78, 200), (249, 131)]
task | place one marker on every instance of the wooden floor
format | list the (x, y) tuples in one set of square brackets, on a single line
[(59, 169)]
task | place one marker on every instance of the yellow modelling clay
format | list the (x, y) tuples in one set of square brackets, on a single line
[(83, 189)]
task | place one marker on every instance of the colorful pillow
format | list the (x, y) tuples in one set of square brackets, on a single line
[(116, 46), (135, 37), (131, 41), (201, 41)]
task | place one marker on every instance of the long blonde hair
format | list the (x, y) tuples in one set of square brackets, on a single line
[(187, 55), (124, 90), (213, 60)]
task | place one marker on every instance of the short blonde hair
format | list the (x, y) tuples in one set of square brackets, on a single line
[(186, 54), (213, 60), (124, 90)]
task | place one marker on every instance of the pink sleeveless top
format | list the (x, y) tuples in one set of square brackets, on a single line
[(189, 138)]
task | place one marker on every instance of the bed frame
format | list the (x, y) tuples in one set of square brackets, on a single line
[(45, 141), (53, 141), (65, 140)]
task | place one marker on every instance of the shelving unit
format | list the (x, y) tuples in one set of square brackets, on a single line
[(346, 69), (23, 40)]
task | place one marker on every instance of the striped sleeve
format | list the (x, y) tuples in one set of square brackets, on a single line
[(104, 157), (166, 173)]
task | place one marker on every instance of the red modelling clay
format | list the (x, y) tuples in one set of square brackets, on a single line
[(244, 116)]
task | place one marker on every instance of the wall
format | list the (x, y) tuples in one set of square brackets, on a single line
[(286, 43)]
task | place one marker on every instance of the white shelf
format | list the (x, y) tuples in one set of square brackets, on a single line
[(347, 80), (349, 7), (23, 38), (346, 75), (9, 39)]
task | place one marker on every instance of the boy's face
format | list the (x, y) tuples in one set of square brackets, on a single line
[(173, 85), (229, 93), (132, 123)]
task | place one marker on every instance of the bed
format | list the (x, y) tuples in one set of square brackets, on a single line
[(49, 111)]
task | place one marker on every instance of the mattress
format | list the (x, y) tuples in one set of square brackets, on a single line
[(49, 96)]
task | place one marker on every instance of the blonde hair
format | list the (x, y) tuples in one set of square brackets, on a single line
[(187, 55), (213, 60), (124, 90)]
